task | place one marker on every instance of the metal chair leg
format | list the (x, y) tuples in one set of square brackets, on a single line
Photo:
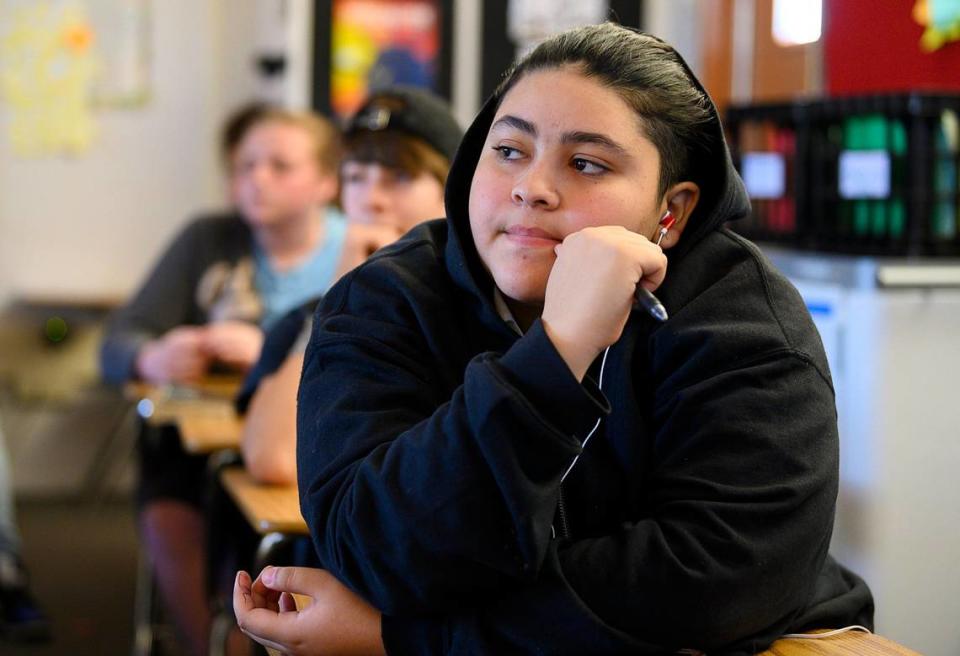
[(144, 607)]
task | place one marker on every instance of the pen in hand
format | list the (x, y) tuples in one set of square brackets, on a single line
[(644, 298)]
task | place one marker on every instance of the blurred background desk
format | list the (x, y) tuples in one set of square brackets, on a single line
[(203, 413), (268, 508)]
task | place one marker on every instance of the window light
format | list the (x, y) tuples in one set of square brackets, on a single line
[(796, 22)]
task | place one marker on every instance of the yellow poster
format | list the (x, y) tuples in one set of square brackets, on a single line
[(47, 69)]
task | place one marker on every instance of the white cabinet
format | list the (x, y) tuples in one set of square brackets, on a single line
[(892, 335)]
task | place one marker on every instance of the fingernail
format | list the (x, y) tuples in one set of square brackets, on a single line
[(268, 575)]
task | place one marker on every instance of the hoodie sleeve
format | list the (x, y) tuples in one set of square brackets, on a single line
[(165, 300), (420, 502)]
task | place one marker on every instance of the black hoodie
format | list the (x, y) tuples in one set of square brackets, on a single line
[(432, 440)]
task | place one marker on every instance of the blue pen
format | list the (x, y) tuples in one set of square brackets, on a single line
[(644, 298)]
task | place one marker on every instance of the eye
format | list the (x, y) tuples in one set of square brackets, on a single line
[(401, 176), (244, 164), (588, 167), (507, 153)]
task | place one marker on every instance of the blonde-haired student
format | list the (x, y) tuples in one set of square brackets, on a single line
[(224, 280)]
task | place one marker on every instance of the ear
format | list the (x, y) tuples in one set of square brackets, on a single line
[(680, 199)]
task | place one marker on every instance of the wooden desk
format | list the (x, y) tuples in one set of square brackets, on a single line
[(96, 302), (850, 643), (209, 426), (203, 412), (221, 386), (268, 508)]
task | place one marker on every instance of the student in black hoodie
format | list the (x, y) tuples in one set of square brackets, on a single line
[(496, 454)]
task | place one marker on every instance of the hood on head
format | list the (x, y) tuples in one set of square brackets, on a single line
[(722, 194)]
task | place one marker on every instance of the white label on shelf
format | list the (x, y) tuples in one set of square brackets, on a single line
[(764, 174), (864, 174)]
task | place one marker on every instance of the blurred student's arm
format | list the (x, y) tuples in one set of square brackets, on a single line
[(362, 241), (166, 300), (269, 442)]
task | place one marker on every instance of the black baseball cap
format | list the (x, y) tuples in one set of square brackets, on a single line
[(411, 110)]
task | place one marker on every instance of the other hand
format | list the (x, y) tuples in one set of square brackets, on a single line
[(179, 356), (362, 241), (336, 622), (234, 343)]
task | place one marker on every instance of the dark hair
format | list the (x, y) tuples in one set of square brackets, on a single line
[(650, 77), (236, 126), (396, 150)]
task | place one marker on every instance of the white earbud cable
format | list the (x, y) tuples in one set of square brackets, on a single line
[(603, 363), (826, 634)]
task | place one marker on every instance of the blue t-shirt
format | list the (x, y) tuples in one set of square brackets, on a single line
[(281, 291)]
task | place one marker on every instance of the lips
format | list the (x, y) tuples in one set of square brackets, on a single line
[(531, 237)]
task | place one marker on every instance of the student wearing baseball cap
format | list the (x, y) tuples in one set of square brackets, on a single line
[(399, 146)]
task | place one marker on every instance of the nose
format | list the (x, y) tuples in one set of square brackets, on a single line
[(375, 198), (371, 201), (536, 187), (258, 174)]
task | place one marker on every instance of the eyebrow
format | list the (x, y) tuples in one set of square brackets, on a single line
[(515, 122), (594, 138), (576, 137)]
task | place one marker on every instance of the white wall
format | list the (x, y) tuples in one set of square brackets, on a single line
[(466, 100), (678, 23), (90, 226), (237, 36)]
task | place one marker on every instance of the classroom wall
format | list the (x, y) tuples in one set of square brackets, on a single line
[(467, 47), (5, 274), (680, 23), (89, 226)]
